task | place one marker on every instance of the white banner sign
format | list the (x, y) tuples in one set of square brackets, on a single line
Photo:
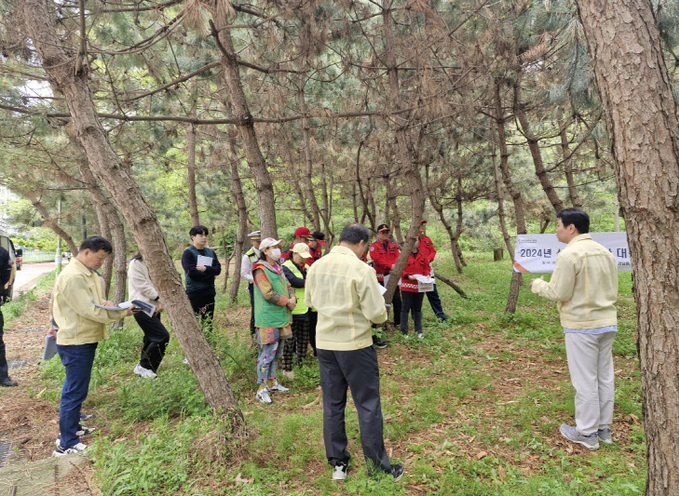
[(537, 252)]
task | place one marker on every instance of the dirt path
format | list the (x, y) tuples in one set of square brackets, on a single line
[(28, 424), (26, 421)]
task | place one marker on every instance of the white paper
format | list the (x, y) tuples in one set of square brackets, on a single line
[(204, 261), (147, 308), (120, 306)]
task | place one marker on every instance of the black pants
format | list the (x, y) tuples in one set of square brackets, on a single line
[(251, 290), (358, 370), (156, 338), (204, 307), (412, 302), (297, 345), (395, 304), (313, 321), (4, 369), (435, 302)]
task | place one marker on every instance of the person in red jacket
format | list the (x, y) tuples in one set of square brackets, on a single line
[(301, 236), (418, 264), (427, 247), (384, 254), (316, 244)]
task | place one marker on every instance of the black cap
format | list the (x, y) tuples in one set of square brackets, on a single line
[(319, 236), (383, 227)]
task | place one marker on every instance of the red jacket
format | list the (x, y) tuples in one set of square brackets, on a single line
[(417, 264), (427, 247), (384, 257), (316, 253)]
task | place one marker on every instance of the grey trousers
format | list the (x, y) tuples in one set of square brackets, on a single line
[(590, 363), (358, 370)]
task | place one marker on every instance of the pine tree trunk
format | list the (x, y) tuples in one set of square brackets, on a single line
[(59, 63), (248, 136), (237, 189), (191, 175), (306, 141), (514, 193), (119, 257), (452, 235), (534, 147), (636, 94), (395, 220), (568, 168), (103, 219), (119, 260), (49, 221), (409, 166), (326, 196), (501, 208)]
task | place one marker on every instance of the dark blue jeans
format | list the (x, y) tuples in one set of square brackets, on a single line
[(78, 360), (435, 302)]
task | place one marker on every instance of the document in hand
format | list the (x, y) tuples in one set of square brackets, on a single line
[(424, 283), (136, 305), (204, 261)]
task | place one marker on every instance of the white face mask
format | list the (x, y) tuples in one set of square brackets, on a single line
[(275, 253)]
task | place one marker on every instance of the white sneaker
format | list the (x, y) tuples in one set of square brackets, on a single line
[(73, 450), (263, 396), (279, 387), (144, 372), (420, 336), (340, 471), (290, 374), (85, 431)]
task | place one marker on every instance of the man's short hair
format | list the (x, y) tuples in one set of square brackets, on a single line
[(576, 217), (354, 234), (199, 230), (95, 244)]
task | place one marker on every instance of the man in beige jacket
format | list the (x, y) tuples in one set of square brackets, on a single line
[(81, 326), (345, 292), (585, 286)]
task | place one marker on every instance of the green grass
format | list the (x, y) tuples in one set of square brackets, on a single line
[(17, 307), (473, 409)]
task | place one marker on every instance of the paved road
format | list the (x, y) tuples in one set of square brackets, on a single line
[(29, 275)]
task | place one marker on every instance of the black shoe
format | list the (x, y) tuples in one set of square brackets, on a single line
[(7, 382), (397, 471), (378, 343)]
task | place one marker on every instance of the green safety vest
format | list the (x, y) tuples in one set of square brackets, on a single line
[(267, 314), (251, 255), (300, 308)]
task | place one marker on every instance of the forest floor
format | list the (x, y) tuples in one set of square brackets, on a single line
[(472, 409)]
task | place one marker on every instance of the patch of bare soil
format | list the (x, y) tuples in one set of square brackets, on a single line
[(27, 422)]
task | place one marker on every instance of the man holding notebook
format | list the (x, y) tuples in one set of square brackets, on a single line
[(81, 326)]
